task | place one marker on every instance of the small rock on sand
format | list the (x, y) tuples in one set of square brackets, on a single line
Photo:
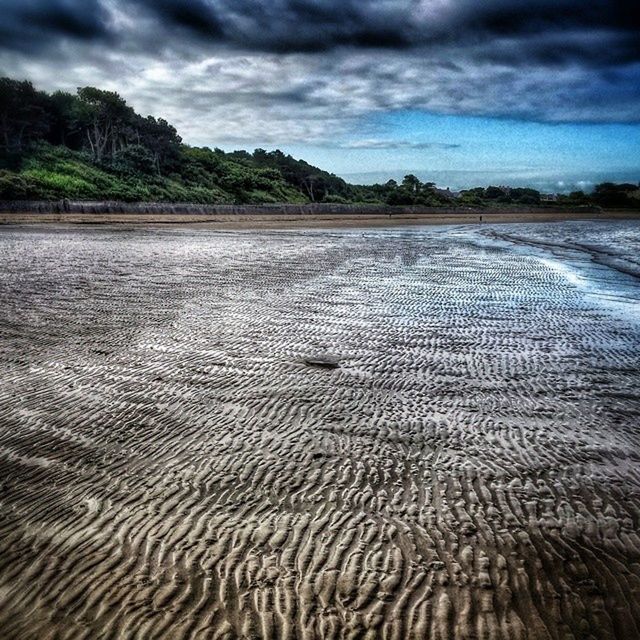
[(324, 361)]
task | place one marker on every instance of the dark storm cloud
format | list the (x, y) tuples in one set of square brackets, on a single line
[(32, 25), (300, 68), (321, 25), (292, 26), (317, 25), (197, 16), (504, 17)]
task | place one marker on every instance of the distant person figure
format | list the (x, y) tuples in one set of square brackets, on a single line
[(480, 218)]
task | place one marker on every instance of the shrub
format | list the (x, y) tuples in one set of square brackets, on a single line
[(134, 160), (16, 187)]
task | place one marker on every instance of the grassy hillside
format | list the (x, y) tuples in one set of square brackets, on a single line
[(92, 145), (49, 172)]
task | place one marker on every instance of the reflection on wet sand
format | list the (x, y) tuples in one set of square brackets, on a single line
[(415, 433)]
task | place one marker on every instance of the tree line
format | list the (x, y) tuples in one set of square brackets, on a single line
[(91, 120), (92, 145)]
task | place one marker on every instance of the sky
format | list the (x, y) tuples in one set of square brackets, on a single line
[(460, 92)]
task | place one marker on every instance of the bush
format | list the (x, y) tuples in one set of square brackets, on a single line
[(16, 187), (135, 160), (334, 199)]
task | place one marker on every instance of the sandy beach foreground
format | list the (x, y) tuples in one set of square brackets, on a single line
[(420, 432)]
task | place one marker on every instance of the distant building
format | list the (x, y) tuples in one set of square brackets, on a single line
[(447, 193), (548, 197)]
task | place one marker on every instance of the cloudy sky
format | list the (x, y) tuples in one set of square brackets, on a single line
[(544, 92)]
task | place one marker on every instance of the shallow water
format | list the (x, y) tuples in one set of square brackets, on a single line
[(172, 466)]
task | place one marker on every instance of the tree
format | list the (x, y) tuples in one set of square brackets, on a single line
[(525, 196), (400, 196), (493, 193), (63, 129), (161, 139), (24, 115), (608, 194), (310, 184), (103, 115), (411, 183)]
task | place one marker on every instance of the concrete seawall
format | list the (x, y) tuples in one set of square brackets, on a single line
[(160, 208)]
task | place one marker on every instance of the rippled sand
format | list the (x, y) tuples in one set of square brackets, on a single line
[(429, 433)]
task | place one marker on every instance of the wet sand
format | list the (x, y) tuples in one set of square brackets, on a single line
[(425, 432)]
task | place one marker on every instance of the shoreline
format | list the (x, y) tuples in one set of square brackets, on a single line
[(298, 221)]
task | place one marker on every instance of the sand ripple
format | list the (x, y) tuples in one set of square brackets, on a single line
[(386, 434)]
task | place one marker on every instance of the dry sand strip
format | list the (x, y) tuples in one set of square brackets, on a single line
[(292, 220), (397, 434)]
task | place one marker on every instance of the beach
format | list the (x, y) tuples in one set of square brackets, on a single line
[(262, 429), (292, 220)]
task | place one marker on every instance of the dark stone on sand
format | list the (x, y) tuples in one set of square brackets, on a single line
[(326, 362)]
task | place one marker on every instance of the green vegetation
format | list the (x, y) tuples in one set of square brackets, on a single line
[(93, 146)]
